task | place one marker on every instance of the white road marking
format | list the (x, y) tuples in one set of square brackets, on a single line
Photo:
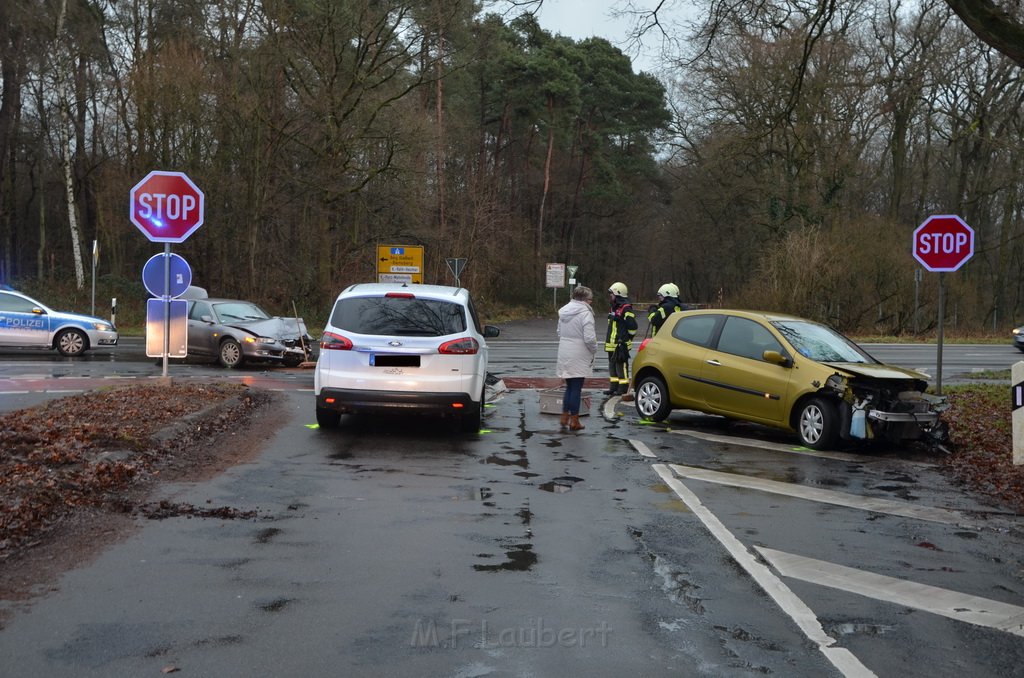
[(958, 606), (842, 659), (14, 392), (776, 447), (643, 449), (65, 390), (877, 505)]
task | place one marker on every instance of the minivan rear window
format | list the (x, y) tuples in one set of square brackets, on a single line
[(399, 316)]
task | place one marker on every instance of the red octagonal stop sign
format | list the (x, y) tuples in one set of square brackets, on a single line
[(943, 242), (166, 206)]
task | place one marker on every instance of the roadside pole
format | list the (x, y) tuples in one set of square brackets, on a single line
[(1017, 403), (941, 324), (943, 242)]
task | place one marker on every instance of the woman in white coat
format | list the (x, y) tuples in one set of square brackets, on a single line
[(577, 344)]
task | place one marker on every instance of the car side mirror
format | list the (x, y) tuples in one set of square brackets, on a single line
[(777, 358), (38, 311), (490, 331), (206, 318)]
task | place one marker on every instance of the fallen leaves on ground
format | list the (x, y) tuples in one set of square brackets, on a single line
[(88, 452), (982, 435)]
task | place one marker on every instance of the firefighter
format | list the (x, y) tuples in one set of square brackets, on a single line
[(619, 339), (668, 303)]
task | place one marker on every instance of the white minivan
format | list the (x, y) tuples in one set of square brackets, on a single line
[(399, 348)]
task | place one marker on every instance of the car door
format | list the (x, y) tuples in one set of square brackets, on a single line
[(684, 358), (200, 332), (23, 322), (738, 381)]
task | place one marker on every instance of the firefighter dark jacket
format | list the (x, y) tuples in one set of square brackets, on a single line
[(621, 325)]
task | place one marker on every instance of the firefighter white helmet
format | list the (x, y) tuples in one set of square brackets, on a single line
[(668, 290), (618, 289)]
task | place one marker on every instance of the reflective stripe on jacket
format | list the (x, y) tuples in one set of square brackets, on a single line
[(661, 312), (621, 324)]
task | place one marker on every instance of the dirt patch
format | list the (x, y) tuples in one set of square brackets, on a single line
[(76, 473)]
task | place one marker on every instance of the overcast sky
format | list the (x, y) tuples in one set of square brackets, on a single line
[(580, 19)]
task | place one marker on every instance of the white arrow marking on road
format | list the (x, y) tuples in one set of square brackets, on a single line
[(959, 606), (875, 504), (841, 658)]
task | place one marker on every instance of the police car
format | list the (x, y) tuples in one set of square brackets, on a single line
[(24, 322)]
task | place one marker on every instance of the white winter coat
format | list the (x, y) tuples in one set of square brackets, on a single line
[(577, 341)]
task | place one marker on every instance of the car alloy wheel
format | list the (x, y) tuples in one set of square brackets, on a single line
[(652, 399), (817, 425), (71, 343), (230, 353)]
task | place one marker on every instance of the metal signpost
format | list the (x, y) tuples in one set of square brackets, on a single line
[(555, 279), (167, 207), (456, 266), (1017, 418), (166, 276), (943, 243)]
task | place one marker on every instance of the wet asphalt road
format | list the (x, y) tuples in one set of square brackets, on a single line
[(400, 548)]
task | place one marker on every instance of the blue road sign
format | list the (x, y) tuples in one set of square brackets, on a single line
[(153, 276)]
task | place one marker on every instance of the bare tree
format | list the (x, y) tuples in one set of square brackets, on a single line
[(62, 69)]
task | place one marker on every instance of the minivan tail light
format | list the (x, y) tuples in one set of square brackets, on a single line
[(464, 346), (335, 342)]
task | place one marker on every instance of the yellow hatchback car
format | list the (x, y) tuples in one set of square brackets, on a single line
[(781, 371)]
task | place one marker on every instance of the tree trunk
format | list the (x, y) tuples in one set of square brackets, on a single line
[(538, 239), (65, 148)]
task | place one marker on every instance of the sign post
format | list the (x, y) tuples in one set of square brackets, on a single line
[(571, 271), (943, 243), (456, 265), (167, 207), (1017, 417), (555, 279)]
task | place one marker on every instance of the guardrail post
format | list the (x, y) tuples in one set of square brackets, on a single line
[(1017, 402)]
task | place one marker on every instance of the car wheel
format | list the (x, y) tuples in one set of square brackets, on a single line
[(72, 342), (473, 421), (652, 401), (818, 424), (230, 353), (326, 418)]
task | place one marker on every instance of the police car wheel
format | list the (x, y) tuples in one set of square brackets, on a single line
[(72, 342)]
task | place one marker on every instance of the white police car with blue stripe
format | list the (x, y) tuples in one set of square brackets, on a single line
[(24, 322)]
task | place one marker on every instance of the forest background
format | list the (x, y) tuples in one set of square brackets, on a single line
[(779, 158)]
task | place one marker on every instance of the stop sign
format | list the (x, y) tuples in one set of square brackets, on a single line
[(943, 242), (166, 206)]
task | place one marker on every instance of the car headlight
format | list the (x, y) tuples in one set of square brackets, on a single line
[(260, 340), (1016, 330), (103, 327)]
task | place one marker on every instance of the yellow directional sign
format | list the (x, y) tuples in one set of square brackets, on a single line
[(400, 263)]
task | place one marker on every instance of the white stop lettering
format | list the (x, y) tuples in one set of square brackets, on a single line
[(166, 207), (943, 243)]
